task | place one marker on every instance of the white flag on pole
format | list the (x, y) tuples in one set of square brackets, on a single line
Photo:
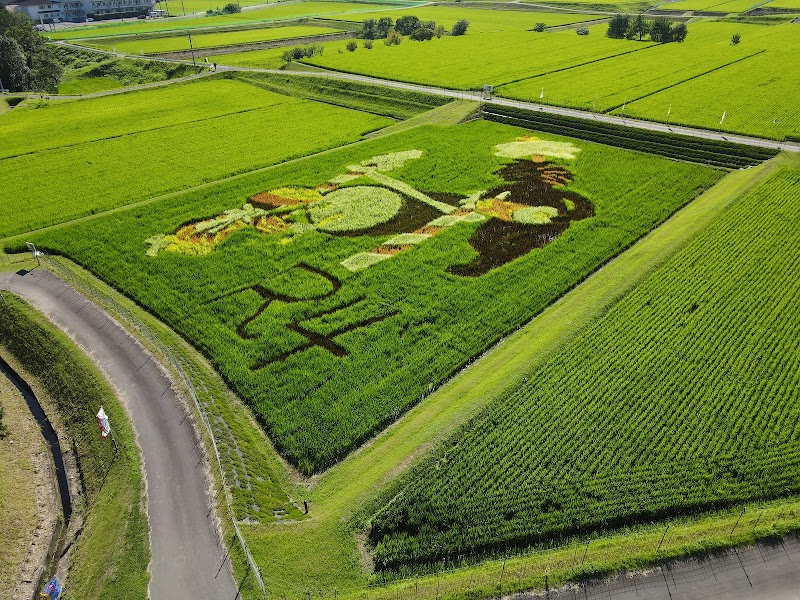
[(669, 110), (102, 422), (542, 94), (722, 120)]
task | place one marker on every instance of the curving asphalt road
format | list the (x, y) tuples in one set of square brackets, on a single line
[(188, 559)]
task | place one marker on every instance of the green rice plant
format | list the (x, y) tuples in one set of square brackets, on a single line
[(355, 208), (680, 400), (236, 128), (327, 368)]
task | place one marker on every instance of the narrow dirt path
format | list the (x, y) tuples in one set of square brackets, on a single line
[(188, 559)]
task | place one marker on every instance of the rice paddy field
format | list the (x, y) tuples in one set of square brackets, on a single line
[(350, 291), (652, 426), (728, 6), (274, 12), (470, 343), (441, 61), (153, 45), (480, 20), (155, 144), (640, 74), (677, 83), (753, 95)]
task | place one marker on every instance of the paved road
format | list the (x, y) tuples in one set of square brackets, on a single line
[(188, 560), (769, 570)]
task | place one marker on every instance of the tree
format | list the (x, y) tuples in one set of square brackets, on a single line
[(352, 45), (679, 32), (440, 31), (231, 8), (539, 27), (407, 25), (422, 34), (460, 28), (639, 27), (13, 70), (369, 31), (393, 39), (46, 71), (368, 44), (618, 26), (383, 27), (661, 30), (582, 31), (735, 39)]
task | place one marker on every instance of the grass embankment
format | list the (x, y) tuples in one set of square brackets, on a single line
[(86, 72), (394, 103), (111, 554), (19, 513)]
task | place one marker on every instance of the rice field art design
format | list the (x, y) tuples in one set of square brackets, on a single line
[(529, 209)]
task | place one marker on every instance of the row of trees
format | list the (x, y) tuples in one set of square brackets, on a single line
[(26, 63), (409, 25), (660, 30)]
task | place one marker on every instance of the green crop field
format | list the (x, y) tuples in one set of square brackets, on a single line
[(80, 169), (480, 20), (274, 12), (441, 61), (206, 40), (727, 6), (655, 411), (298, 295), (609, 83), (784, 4), (752, 94)]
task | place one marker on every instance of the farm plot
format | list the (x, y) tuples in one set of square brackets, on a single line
[(609, 83), (332, 293), (275, 12), (207, 40), (480, 20), (681, 399), (728, 6), (63, 124), (784, 4), (754, 95), (462, 62), (131, 164)]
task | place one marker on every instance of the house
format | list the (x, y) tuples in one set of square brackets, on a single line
[(53, 11)]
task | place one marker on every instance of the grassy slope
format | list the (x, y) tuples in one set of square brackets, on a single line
[(87, 178), (111, 555), (18, 507)]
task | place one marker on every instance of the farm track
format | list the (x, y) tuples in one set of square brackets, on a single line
[(478, 97), (188, 557)]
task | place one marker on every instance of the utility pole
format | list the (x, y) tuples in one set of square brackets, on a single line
[(191, 47)]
